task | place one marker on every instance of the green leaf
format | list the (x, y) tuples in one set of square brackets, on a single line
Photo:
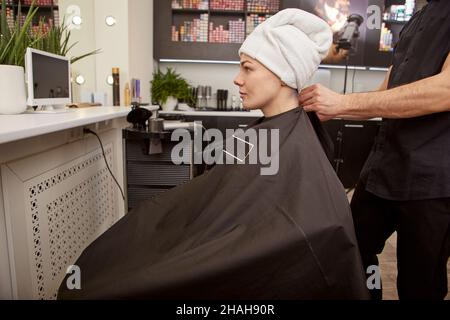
[(19, 41), (73, 60)]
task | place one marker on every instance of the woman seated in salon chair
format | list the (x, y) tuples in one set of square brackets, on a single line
[(244, 230)]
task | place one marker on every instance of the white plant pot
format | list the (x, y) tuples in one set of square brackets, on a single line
[(170, 104), (13, 97)]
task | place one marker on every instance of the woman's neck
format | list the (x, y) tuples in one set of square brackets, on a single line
[(285, 101)]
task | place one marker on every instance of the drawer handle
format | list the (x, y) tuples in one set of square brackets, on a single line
[(354, 126), (243, 126)]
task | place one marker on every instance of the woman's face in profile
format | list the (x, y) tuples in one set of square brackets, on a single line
[(258, 86)]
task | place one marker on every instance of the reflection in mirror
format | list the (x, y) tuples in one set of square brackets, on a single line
[(73, 17)]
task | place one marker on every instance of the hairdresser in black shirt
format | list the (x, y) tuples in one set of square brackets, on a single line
[(405, 184)]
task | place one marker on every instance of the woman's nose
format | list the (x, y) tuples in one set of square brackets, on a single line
[(238, 81)]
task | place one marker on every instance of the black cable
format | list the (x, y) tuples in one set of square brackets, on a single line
[(346, 74), (353, 81), (104, 157)]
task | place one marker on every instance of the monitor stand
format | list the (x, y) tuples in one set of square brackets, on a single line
[(49, 109)]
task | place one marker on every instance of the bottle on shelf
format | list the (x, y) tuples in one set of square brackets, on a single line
[(127, 95), (116, 86), (401, 13), (385, 38), (267, 6), (409, 9), (228, 5), (192, 31), (193, 4), (233, 31), (234, 34), (254, 20)]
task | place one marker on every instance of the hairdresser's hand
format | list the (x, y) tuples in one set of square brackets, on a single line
[(325, 102)]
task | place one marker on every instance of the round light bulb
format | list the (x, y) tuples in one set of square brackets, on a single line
[(80, 80), (76, 20), (110, 21), (110, 80)]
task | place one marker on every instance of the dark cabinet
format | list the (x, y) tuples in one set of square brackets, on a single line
[(149, 175), (353, 141)]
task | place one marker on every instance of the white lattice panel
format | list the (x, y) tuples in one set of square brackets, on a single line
[(65, 210)]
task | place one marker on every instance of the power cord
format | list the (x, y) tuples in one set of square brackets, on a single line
[(89, 131)]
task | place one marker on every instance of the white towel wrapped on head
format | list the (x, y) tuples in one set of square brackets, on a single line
[(291, 44)]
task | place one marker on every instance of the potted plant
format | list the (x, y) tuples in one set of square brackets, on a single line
[(14, 41), (13, 44), (168, 88)]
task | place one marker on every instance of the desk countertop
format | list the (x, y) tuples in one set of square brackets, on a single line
[(22, 126)]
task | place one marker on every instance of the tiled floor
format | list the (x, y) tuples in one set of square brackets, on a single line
[(388, 266)]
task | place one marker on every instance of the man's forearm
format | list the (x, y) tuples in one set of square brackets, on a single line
[(427, 96)]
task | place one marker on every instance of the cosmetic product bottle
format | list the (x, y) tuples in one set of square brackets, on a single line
[(200, 95), (225, 100), (208, 95), (127, 95), (138, 91), (133, 90), (220, 94), (116, 86)]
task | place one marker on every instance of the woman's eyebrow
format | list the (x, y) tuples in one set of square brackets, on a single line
[(244, 62)]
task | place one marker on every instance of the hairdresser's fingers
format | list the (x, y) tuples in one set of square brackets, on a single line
[(306, 101), (310, 102), (311, 108), (303, 98), (316, 92), (311, 88)]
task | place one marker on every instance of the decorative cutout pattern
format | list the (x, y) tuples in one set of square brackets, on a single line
[(66, 220)]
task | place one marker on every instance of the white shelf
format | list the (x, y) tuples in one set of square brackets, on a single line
[(22, 126)]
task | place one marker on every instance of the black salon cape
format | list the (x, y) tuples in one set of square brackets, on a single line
[(235, 234)]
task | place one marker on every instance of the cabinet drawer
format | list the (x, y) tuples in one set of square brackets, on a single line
[(157, 174)]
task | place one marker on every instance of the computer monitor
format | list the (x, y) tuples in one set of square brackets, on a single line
[(48, 80)]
